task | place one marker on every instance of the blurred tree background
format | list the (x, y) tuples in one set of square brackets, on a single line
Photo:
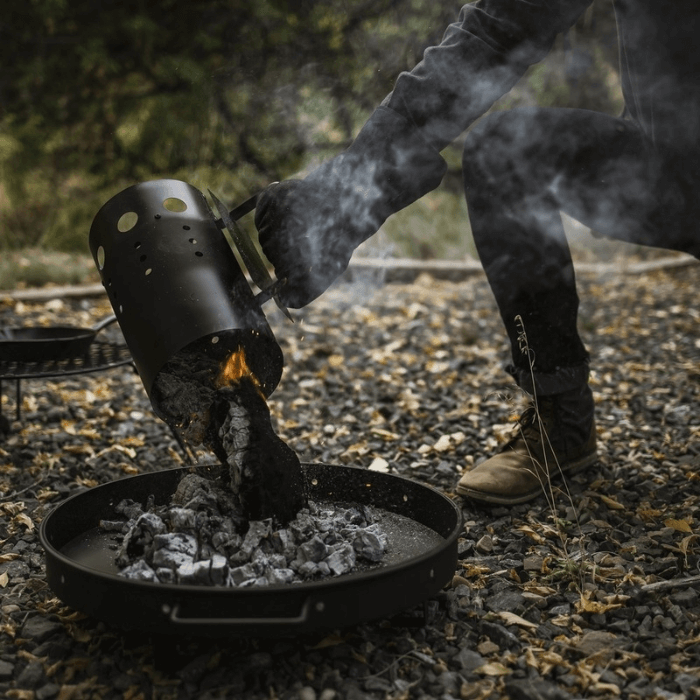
[(96, 95)]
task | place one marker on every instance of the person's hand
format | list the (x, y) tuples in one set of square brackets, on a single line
[(309, 228), (304, 235)]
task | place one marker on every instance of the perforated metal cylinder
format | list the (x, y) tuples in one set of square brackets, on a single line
[(173, 281)]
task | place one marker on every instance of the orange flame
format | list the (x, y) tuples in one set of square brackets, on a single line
[(233, 369)]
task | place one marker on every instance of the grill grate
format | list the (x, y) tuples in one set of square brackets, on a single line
[(99, 357)]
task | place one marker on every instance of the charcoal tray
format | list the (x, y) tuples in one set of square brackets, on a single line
[(80, 563)]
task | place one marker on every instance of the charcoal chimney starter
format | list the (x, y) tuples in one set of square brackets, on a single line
[(174, 282)]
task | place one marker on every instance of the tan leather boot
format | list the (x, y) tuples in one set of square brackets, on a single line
[(542, 448)]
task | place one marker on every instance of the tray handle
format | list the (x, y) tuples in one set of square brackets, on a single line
[(299, 619), (104, 323)]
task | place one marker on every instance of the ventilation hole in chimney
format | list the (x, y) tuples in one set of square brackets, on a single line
[(148, 272), (174, 204), (193, 241), (215, 340), (142, 258), (137, 245), (199, 254), (186, 227), (127, 221), (101, 258)]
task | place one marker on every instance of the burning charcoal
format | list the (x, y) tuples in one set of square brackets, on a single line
[(150, 524), (241, 574), (140, 536), (375, 529), (368, 546), (283, 543), (359, 515), (260, 559), (225, 542), (165, 575), (193, 492), (129, 509), (184, 391), (342, 559), (314, 549), (277, 561), (182, 519), (278, 576), (194, 573), (206, 551), (258, 531), (218, 570), (303, 526), (307, 569), (206, 547), (139, 571), (264, 472), (223, 407), (259, 582), (174, 549)]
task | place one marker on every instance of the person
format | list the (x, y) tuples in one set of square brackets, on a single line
[(631, 178)]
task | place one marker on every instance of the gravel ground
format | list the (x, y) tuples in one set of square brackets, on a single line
[(592, 592)]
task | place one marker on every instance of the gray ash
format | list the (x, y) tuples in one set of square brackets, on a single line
[(195, 540)]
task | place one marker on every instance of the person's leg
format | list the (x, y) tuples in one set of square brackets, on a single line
[(522, 168)]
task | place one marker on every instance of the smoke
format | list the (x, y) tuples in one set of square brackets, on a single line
[(522, 168)]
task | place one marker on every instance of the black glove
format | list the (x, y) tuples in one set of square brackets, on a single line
[(309, 228)]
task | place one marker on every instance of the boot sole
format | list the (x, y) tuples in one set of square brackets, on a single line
[(516, 499)]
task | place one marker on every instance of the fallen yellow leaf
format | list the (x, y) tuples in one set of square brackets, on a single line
[(493, 669), (585, 604), (23, 519), (531, 533), (679, 525), (686, 542), (511, 618), (612, 503)]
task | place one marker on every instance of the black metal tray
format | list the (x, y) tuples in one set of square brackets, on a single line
[(81, 571), (42, 343)]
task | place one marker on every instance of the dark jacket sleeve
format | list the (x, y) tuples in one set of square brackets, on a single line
[(480, 58)]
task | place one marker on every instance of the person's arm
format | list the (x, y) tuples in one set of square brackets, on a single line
[(480, 58), (309, 228)]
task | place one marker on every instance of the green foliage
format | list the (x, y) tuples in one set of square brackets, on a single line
[(228, 94), (96, 96)]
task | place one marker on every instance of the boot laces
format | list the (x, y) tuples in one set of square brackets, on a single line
[(533, 420)]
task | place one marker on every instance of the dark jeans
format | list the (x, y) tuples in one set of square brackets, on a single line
[(521, 168)]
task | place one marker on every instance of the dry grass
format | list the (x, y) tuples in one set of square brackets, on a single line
[(34, 267)]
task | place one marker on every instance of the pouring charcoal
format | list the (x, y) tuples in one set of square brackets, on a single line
[(265, 473), (223, 408), (189, 318)]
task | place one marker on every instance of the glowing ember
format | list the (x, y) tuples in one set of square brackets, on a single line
[(234, 369)]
